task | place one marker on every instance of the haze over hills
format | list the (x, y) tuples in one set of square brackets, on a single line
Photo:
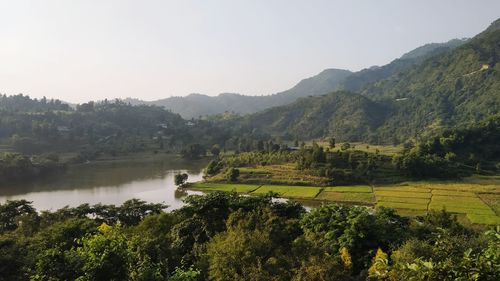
[(450, 88), (195, 105)]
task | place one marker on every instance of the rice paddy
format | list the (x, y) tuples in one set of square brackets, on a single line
[(479, 203), (350, 197), (353, 188)]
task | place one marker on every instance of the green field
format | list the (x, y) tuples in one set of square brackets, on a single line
[(351, 197), (484, 219), (352, 188), (404, 189), (289, 191), (398, 205), (453, 193), (228, 187), (479, 203), (404, 194), (403, 200)]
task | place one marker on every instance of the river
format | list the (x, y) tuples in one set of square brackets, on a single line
[(110, 182)]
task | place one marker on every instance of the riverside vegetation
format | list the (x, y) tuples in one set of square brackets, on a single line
[(224, 236)]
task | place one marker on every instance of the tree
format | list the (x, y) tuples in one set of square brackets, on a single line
[(193, 151), (180, 179), (233, 174), (331, 142), (215, 150), (105, 255)]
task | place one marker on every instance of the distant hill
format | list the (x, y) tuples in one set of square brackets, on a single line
[(451, 86), (195, 105), (340, 113)]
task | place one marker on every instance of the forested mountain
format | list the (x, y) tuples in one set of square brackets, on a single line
[(462, 86), (358, 80), (343, 114), (195, 105), (447, 89)]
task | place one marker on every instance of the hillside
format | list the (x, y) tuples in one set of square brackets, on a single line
[(358, 80), (344, 114), (451, 88), (195, 105), (459, 87)]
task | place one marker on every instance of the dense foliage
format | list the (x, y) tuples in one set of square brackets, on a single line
[(223, 236), (455, 152)]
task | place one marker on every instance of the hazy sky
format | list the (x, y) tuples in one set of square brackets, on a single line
[(82, 50)]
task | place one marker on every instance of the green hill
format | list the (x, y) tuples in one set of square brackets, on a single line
[(342, 114), (454, 87)]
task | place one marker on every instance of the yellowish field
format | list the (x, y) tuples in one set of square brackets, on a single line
[(351, 188), (351, 197), (404, 194), (479, 203)]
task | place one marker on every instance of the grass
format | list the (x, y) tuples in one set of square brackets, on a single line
[(352, 197), (228, 187), (290, 191), (484, 219), (353, 188)]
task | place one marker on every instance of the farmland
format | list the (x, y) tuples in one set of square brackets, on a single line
[(479, 203)]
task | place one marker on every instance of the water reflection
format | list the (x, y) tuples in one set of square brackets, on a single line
[(109, 183)]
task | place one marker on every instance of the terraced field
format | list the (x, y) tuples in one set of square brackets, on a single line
[(308, 192), (479, 203)]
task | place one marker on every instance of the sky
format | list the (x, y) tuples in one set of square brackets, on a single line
[(84, 50)]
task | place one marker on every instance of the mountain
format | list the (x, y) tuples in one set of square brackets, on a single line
[(195, 105), (340, 113), (451, 89), (454, 87), (358, 80)]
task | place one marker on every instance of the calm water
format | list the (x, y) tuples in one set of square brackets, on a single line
[(110, 182)]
